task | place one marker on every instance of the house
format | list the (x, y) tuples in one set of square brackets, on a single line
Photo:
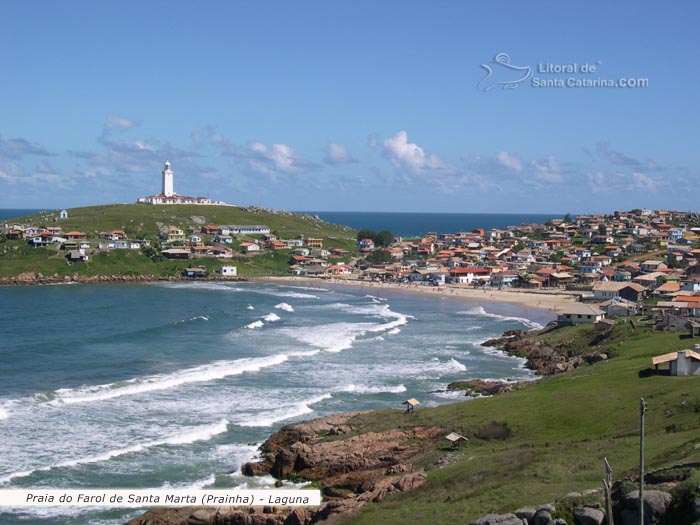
[(195, 272), (221, 251), (505, 279), (224, 239), (579, 313), (469, 275), (365, 244), (248, 229), (195, 239), (683, 363), (652, 266), (249, 247), (227, 271), (75, 235), (314, 243), (176, 253), (63, 214), (173, 233), (210, 230), (77, 256), (611, 289)]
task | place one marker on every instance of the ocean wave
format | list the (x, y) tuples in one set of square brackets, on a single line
[(372, 389), (480, 312), (201, 433), (250, 307), (313, 288), (4, 413), (255, 324), (196, 318), (285, 307), (271, 318), (141, 385), (270, 417), (394, 331)]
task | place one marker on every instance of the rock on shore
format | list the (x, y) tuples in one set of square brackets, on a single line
[(351, 471)]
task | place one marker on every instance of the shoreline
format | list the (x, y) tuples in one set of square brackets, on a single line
[(546, 301)]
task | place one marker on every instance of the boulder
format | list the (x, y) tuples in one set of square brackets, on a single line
[(525, 513), (499, 519), (542, 517), (588, 516), (656, 503), (695, 509)]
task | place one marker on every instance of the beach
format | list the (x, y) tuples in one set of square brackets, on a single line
[(551, 301)]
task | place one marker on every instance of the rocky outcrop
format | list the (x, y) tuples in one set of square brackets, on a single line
[(479, 387), (540, 356), (350, 472)]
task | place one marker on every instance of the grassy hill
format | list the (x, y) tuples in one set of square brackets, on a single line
[(141, 221), (535, 445)]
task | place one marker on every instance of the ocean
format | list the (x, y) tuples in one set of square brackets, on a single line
[(175, 385)]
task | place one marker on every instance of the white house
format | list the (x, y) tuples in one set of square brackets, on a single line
[(579, 313), (228, 271), (250, 247), (63, 214)]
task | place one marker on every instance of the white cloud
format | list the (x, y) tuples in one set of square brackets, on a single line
[(19, 148), (597, 182), (410, 157), (643, 182), (547, 170), (117, 123), (510, 161), (337, 154)]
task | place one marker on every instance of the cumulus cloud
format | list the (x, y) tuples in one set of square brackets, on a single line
[(337, 154), (19, 148), (510, 161), (409, 157)]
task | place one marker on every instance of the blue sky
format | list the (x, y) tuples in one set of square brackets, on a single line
[(355, 106)]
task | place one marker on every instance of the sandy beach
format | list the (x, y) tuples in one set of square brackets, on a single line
[(552, 301)]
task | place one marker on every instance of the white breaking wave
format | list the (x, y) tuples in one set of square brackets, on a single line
[(270, 417), (479, 311), (201, 433), (336, 337), (141, 385), (4, 414), (284, 306), (372, 389), (314, 288), (255, 324), (250, 307), (271, 318), (394, 331)]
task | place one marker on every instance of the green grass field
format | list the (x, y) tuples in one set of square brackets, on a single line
[(143, 221), (561, 429)]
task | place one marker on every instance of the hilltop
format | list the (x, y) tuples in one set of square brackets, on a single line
[(143, 227)]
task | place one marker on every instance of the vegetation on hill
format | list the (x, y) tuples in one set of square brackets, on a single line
[(534, 445), (141, 221)]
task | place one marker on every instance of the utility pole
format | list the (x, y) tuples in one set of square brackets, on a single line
[(642, 411)]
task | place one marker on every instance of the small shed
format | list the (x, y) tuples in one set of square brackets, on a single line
[(195, 271), (228, 271), (63, 214), (455, 439), (411, 404)]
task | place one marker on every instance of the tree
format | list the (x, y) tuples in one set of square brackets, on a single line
[(384, 238), (380, 257), (365, 234), (567, 218)]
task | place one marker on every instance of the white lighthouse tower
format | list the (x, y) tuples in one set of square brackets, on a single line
[(168, 180)]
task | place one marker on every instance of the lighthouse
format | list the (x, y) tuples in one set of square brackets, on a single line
[(168, 180)]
